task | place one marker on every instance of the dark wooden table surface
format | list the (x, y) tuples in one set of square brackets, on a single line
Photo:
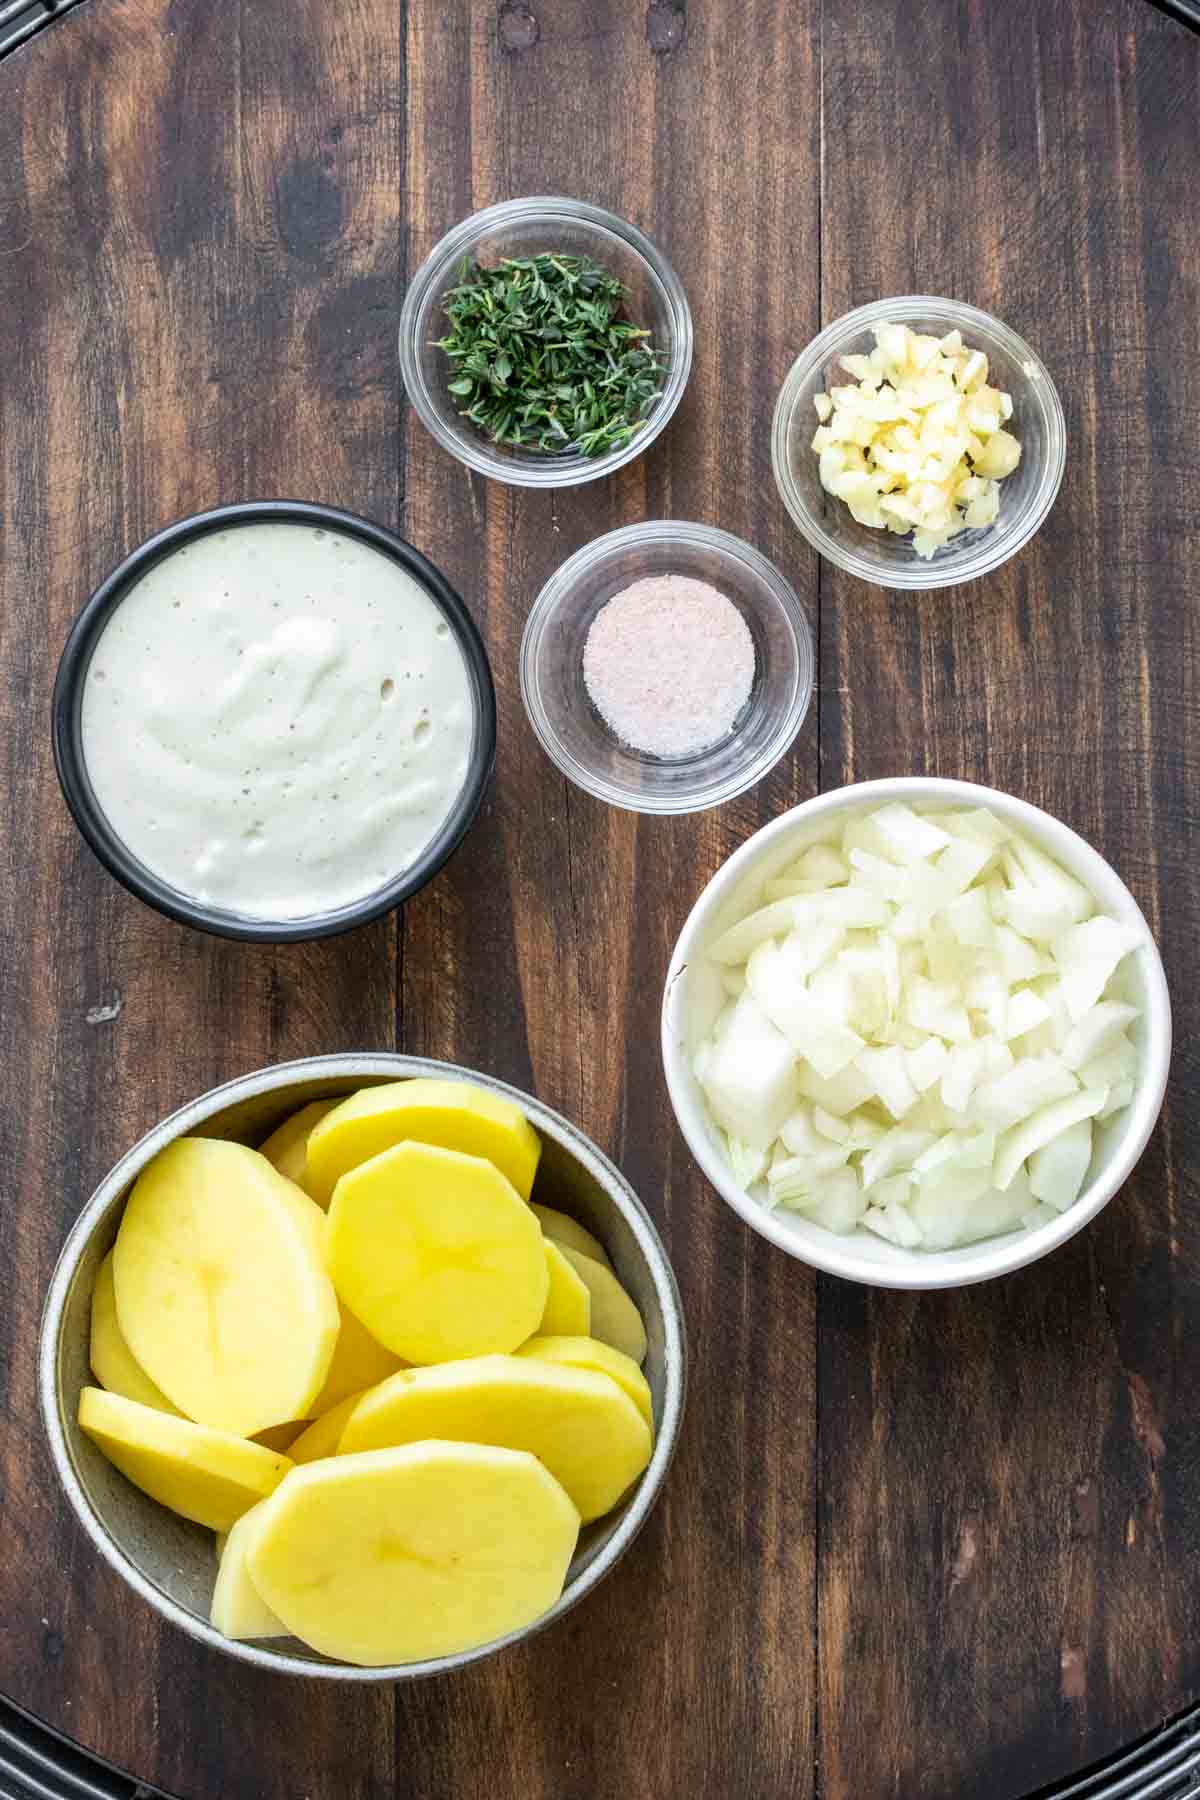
[(937, 1545)]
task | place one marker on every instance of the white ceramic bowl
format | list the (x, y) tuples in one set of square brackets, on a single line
[(168, 1562), (693, 997)]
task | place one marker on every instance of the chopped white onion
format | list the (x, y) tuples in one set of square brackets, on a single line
[(921, 1032)]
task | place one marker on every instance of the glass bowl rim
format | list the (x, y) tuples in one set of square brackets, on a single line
[(663, 533), (1000, 543), (473, 450)]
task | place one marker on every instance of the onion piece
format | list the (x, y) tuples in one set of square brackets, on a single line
[(1026, 1010), (841, 1094), (748, 1163), (1057, 1171), (1096, 1032), (925, 1064), (750, 1076), (806, 1018), (897, 1149), (937, 1010), (849, 908), (1031, 1084), (1116, 1065), (1021, 1142), (964, 1066), (887, 1070), (894, 1224), (838, 1206), (827, 1126), (960, 1206), (1088, 955), (1119, 1096), (920, 1030)]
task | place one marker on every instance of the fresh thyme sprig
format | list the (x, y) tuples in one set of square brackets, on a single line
[(544, 359)]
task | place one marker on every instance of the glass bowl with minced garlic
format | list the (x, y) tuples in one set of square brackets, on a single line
[(545, 342), (918, 442)]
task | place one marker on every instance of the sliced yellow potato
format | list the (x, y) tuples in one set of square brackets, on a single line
[(203, 1474), (564, 1230), (568, 1303), (324, 1435), (287, 1147), (454, 1115), (359, 1361), (615, 1319), (416, 1552), (113, 1363), (238, 1609), (590, 1353), (221, 1289), (437, 1254), (588, 1433), (279, 1437)]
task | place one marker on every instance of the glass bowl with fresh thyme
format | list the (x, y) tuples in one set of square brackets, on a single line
[(545, 342)]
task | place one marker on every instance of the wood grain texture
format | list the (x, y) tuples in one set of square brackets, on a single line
[(543, 947), (1009, 1508), (935, 1545), (199, 254)]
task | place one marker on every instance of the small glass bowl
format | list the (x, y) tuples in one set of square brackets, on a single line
[(526, 228), (570, 729), (884, 557)]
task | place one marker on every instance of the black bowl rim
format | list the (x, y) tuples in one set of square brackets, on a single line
[(85, 809)]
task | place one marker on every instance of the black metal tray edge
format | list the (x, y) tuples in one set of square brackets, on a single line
[(19, 19), (37, 1764)]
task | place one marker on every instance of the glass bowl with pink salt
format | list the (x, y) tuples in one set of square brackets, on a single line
[(666, 667)]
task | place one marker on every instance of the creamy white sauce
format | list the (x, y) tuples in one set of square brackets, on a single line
[(276, 720)]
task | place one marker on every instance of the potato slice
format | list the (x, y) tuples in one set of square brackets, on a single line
[(437, 1254), (287, 1147), (588, 1433), (279, 1437), (568, 1304), (565, 1230), (415, 1552), (221, 1289), (323, 1437), (590, 1353), (113, 1363), (615, 1319), (359, 1361), (238, 1609), (202, 1474), (453, 1115)]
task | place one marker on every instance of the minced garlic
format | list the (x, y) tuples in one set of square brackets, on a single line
[(917, 442)]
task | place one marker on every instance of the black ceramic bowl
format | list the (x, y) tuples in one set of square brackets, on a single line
[(68, 736)]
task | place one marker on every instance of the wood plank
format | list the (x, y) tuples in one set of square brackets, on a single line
[(205, 216), (199, 254), (1009, 1520), (542, 949)]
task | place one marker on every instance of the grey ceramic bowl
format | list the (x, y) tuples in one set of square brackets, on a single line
[(170, 1562)]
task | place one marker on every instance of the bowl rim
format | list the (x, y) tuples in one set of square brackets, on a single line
[(353, 1066), (71, 765), (665, 532), (1015, 1250), (997, 545), (473, 450)]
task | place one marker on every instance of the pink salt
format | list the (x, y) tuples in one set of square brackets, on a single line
[(669, 663)]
